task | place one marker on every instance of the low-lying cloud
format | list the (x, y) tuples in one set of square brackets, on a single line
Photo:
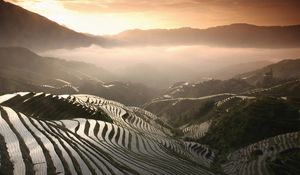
[(161, 66)]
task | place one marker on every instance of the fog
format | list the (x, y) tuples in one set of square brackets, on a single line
[(161, 66)]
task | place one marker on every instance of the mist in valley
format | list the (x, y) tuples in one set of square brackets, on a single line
[(161, 66)]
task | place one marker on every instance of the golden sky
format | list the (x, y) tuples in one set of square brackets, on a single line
[(113, 16)]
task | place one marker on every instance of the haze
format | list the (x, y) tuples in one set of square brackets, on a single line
[(161, 66)]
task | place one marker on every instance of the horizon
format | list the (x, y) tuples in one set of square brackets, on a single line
[(114, 17), (188, 27)]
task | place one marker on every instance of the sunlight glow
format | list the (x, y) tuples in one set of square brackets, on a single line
[(103, 24), (100, 17)]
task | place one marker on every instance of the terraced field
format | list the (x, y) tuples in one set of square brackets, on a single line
[(196, 131), (258, 158), (41, 133), (38, 137), (286, 89)]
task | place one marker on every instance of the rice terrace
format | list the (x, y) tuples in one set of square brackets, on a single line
[(149, 87)]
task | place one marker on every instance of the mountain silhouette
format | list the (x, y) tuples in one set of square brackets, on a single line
[(234, 35), (22, 28)]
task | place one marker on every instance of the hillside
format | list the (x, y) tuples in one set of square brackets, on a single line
[(288, 89), (23, 28), (190, 106), (249, 121), (260, 132), (184, 104), (205, 88), (281, 71), (60, 77), (184, 111), (278, 79), (228, 72), (193, 115), (234, 35)]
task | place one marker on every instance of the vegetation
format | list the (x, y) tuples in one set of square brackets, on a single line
[(251, 121), (195, 114)]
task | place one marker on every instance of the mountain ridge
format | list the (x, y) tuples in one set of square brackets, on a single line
[(283, 70), (239, 35), (23, 28), (20, 27)]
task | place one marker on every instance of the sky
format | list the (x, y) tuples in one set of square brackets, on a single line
[(107, 17)]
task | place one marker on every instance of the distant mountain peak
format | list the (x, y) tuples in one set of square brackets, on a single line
[(242, 24)]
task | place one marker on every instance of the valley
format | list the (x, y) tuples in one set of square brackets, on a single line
[(70, 130), (71, 116), (149, 87)]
